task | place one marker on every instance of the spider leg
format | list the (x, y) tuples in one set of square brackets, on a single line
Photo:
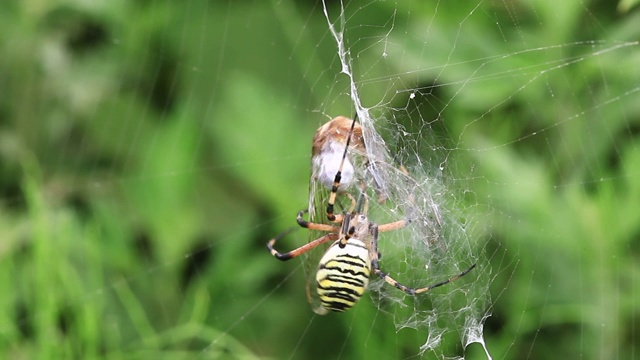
[(393, 225), (391, 281), (453, 278), (337, 218), (302, 249), (353, 202), (315, 226)]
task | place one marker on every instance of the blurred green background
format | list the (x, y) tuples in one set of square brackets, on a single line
[(149, 149)]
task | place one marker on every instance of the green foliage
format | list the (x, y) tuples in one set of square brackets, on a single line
[(149, 149)]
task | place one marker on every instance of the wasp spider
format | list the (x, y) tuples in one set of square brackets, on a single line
[(345, 268)]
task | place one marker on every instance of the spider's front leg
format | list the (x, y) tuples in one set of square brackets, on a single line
[(332, 236), (302, 249), (315, 226)]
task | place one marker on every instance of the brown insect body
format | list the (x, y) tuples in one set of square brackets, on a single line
[(328, 149)]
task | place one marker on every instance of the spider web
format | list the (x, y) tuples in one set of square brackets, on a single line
[(435, 243), (150, 149)]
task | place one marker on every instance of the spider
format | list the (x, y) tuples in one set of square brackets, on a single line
[(345, 268)]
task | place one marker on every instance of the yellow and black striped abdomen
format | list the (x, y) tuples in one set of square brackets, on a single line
[(343, 275)]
